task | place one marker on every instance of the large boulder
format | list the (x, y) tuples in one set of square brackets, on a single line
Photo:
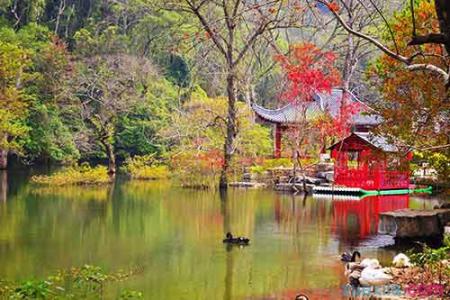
[(408, 223)]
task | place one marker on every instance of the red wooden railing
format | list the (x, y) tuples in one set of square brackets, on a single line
[(372, 179)]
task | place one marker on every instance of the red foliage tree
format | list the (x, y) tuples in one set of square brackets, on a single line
[(309, 71)]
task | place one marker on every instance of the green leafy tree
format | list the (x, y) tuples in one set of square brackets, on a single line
[(138, 131), (49, 135), (13, 109)]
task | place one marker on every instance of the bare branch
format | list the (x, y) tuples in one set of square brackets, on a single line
[(378, 44), (196, 10)]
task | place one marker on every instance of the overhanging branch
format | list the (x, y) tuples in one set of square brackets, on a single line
[(432, 38), (432, 68)]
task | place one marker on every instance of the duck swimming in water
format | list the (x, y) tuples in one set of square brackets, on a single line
[(229, 239), (347, 257), (373, 277)]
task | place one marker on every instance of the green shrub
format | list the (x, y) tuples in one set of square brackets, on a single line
[(438, 161), (257, 169), (145, 167), (83, 174), (277, 162), (268, 164)]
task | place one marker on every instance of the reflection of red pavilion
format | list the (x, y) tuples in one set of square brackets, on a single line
[(360, 218)]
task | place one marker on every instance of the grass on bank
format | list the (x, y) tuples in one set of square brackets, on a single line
[(145, 167), (78, 175)]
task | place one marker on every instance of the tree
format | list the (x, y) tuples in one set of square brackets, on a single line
[(13, 109), (108, 87), (308, 71), (442, 8), (48, 136), (234, 27), (420, 96), (196, 133), (138, 131)]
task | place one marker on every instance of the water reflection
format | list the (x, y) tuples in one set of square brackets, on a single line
[(355, 220), (176, 235)]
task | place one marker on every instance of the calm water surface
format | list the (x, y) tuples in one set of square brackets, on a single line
[(176, 235)]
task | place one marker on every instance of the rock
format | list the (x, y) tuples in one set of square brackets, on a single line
[(297, 188), (328, 176), (445, 205), (248, 176), (247, 184), (313, 180), (407, 223), (324, 167)]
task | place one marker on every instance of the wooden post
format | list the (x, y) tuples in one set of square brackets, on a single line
[(277, 138)]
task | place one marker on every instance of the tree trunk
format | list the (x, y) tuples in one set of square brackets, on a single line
[(3, 159), (231, 130), (443, 13), (62, 6), (111, 157)]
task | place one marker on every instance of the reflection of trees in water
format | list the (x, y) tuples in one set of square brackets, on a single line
[(3, 185), (293, 214), (229, 259)]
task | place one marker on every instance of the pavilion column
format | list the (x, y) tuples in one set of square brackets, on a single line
[(277, 139)]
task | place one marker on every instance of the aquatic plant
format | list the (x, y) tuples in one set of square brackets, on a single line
[(145, 167), (83, 174), (129, 295), (86, 282)]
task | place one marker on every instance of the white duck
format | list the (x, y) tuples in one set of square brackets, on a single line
[(401, 261), (374, 276)]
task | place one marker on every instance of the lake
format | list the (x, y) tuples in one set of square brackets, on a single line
[(175, 236)]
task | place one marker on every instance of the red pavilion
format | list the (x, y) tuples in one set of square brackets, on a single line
[(370, 162)]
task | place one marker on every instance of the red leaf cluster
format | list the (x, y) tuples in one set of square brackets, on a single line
[(333, 6), (308, 70)]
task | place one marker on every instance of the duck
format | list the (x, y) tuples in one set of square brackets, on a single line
[(242, 241), (372, 277), (352, 267), (370, 262), (401, 261), (353, 278), (347, 257), (301, 297)]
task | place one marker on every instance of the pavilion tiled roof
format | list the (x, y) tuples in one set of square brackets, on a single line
[(331, 103), (377, 141)]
